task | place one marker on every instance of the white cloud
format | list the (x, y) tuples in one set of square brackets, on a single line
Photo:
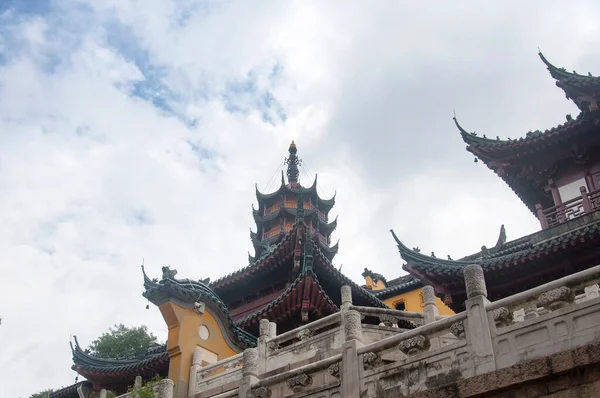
[(95, 176)]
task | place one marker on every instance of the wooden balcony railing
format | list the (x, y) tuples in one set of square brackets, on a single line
[(289, 204), (573, 208)]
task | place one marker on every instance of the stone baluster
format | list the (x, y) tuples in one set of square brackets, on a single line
[(272, 330), (478, 331), (351, 323), (249, 372), (194, 370), (264, 335), (102, 394)]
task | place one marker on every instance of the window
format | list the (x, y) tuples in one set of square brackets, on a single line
[(400, 306), (571, 190)]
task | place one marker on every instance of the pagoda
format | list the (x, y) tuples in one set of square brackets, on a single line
[(290, 279), (556, 174)]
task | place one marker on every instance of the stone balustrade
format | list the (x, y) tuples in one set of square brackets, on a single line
[(339, 356)]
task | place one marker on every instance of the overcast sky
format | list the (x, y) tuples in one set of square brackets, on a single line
[(135, 130)]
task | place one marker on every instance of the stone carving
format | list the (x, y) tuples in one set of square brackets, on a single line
[(388, 320), (299, 381), (428, 295), (458, 329), (346, 295), (474, 281), (304, 334), (555, 299), (502, 316), (414, 345), (261, 392), (531, 311), (250, 362), (371, 360), (352, 326), (334, 370), (272, 346)]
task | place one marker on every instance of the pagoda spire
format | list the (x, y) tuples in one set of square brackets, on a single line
[(292, 162)]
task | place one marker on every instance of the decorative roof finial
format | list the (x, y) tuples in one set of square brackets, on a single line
[(293, 162)]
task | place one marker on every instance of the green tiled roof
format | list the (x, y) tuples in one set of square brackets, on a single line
[(189, 291)]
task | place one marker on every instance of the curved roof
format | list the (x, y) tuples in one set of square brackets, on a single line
[(324, 204), (186, 291), (582, 89), (398, 286), (103, 369), (292, 298)]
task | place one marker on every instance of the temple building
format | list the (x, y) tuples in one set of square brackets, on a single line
[(556, 174), (291, 324)]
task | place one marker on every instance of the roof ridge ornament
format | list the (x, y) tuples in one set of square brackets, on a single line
[(293, 162)]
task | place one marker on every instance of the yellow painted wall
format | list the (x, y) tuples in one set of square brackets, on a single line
[(184, 337), (374, 286), (413, 302)]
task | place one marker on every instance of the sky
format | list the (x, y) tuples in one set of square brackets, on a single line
[(136, 131)]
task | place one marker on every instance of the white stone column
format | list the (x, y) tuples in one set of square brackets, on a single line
[(102, 393), (272, 329), (194, 369), (479, 335), (249, 372), (264, 335)]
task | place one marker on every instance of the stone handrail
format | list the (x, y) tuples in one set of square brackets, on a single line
[(310, 368), (223, 364), (574, 281), (313, 326), (425, 330), (383, 313)]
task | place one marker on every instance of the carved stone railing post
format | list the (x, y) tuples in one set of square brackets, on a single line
[(196, 366), (478, 331), (249, 372), (346, 297), (430, 310), (264, 335), (102, 393), (352, 326), (272, 330), (164, 389), (350, 365)]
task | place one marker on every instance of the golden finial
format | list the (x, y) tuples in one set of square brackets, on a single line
[(293, 147)]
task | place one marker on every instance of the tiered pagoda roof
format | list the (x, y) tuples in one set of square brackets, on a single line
[(118, 373), (527, 164), (514, 266), (277, 210)]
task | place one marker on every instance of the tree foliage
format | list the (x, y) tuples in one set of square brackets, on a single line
[(121, 341), (42, 394)]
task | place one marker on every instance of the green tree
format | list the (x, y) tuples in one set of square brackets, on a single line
[(122, 341), (42, 394)]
